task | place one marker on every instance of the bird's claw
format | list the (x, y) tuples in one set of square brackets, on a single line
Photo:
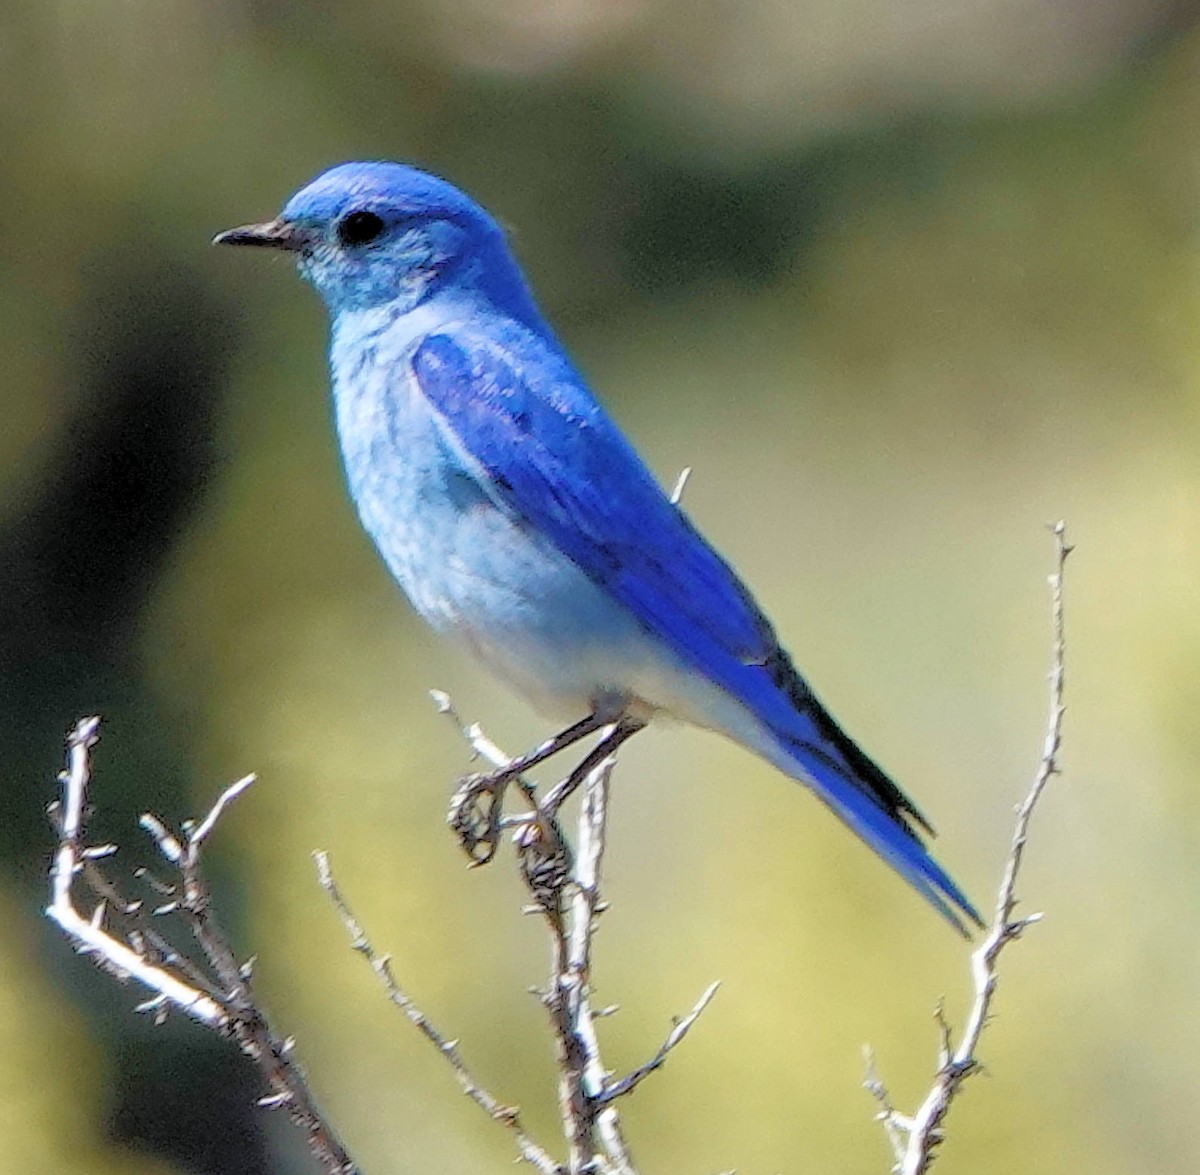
[(474, 815)]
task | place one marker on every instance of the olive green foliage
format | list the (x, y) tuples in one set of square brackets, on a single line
[(893, 345)]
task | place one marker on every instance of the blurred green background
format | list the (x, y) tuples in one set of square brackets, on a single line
[(902, 281)]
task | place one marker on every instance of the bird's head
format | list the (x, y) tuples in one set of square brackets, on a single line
[(374, 234)]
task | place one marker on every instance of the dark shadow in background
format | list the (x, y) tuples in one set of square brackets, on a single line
[(77, 569)]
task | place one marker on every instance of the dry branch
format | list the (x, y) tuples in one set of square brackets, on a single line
[(564, 881), (136, 949), (915, 1139), (563, 877), (382, 966)]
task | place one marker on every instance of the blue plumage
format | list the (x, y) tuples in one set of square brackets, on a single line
[(520, 520)]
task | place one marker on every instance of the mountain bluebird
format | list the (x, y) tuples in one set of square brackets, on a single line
[(520, 521)]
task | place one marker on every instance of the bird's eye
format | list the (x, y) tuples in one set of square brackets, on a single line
[(359, 228)]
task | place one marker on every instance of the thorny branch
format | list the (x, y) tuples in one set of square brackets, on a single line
[(565, 884), (382, 966), (915, 1139), (136, 949)]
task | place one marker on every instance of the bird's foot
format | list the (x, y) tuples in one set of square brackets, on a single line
[(475, 814), (476, 808)]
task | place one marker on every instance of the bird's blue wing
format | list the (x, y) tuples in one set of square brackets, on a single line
[(555, 458)]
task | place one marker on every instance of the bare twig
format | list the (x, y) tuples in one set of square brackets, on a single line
[(585, 908), (565, 883), (894, 1123), (197, 835), (915, 1139), (88, 933), (568, 997), (382, 966), (223, 1002), (685, 475), (679, 1030)]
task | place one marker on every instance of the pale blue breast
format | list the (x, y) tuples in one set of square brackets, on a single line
[(470, 568)]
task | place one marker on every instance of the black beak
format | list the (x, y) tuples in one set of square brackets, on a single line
[(275, 234)]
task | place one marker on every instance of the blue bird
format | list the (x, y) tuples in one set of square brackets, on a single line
[(520, 521)]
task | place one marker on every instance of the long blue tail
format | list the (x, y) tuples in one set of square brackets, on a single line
[(886, 831), (816, 751)]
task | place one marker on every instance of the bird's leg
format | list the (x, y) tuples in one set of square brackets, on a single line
[(618, 732), (477, 804), (544, 852)]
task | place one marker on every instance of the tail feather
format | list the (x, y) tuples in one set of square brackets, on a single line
[(887, 834), (817, 751), (820, 736)]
